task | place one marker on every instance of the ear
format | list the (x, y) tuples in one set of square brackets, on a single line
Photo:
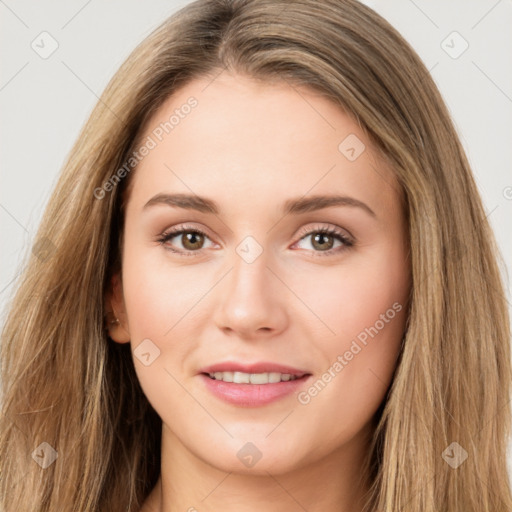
[(115, 315)]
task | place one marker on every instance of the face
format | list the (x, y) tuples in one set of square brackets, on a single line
[(256, 277)]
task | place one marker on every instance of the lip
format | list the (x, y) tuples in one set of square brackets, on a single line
[(252, 395), (260, 367)]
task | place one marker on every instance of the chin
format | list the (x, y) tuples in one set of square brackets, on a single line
[(254, 454)]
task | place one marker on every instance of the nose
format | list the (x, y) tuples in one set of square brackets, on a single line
[(251, 302)]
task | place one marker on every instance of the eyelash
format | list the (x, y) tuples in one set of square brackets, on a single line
[(179, 230)]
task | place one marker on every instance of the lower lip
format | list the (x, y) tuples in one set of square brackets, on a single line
[(252, 395)]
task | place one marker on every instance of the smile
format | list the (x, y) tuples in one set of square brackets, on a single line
[(252, 378)]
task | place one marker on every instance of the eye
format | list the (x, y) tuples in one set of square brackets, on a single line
[(324, 238), (191, 239)]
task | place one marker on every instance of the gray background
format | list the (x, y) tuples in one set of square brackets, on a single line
[(45, 99)]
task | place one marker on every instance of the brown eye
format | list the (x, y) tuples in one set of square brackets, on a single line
[(186, 241), (323, 241), (192, 240)]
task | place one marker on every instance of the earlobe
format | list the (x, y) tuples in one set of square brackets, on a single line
[(116, 322)]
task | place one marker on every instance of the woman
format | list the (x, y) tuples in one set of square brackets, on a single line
[(265, 279)]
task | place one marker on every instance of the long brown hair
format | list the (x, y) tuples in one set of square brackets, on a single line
[(65, 383)]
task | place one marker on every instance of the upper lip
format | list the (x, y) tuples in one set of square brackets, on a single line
[(260, 367)]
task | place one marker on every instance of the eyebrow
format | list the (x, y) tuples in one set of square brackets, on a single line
[(291, 206)]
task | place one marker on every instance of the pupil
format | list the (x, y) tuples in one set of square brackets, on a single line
[(190, 238), (317, 239)]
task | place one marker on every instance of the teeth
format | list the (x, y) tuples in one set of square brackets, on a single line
[(252, 378)]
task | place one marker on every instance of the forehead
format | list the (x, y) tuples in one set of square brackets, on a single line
[(248, 140)]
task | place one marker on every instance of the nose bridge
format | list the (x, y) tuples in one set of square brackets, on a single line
[(249, 277), (249, 301)]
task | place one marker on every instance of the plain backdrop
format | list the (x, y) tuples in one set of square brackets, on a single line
[(57, 57)]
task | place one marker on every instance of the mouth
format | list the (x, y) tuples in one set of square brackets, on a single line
[(233, 369), (254, 378), (253, 385)]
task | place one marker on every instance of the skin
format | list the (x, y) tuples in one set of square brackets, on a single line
[(251, 146)]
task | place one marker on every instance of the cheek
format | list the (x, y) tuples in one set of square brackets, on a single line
[(159, 302), (352, 296), (366, 306), (158, 293)]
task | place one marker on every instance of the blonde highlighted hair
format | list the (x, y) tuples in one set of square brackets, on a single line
[(64, 382)]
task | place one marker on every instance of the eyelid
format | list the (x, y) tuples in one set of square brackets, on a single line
[(186, 226), (326, 226)]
